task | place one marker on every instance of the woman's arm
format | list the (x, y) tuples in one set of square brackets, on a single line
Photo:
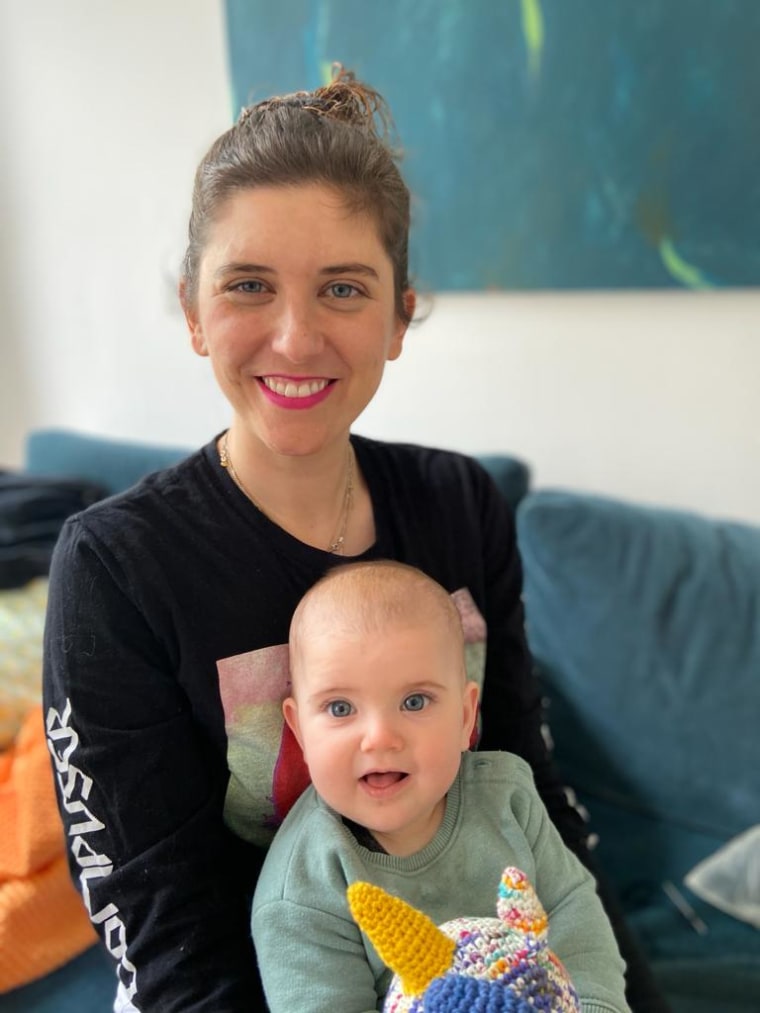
[(159, 873), (512, 710)]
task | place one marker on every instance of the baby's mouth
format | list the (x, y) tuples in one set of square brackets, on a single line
[(383, 778)]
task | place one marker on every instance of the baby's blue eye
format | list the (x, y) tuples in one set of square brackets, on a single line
[(415, 702), (339, 708)]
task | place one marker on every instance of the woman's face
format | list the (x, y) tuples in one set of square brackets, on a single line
[(295, 309)]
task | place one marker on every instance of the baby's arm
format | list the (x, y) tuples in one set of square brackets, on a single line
[(579, 930), (311, 960)]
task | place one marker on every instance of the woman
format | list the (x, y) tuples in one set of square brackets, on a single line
[(169, 605)]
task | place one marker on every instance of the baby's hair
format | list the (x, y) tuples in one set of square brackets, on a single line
[(365, 598)]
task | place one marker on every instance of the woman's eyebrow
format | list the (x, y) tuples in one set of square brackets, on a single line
[(236, 268), (355, 268)]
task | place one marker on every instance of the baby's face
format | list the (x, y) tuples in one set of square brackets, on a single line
[(383, 718)]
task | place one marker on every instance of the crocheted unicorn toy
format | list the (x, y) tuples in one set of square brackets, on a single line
[(497, 965)]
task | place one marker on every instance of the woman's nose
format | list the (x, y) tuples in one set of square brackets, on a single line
[(297, 335)]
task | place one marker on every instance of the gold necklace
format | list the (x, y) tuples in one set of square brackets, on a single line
[(336, 545)]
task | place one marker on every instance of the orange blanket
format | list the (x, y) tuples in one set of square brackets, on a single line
[(43, 923)]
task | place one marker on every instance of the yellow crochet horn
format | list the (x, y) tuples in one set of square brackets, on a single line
[(406, 940)]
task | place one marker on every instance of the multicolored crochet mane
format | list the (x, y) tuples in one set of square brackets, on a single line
[(497, 965)]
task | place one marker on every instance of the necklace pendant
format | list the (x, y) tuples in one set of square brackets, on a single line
[(335, 547)]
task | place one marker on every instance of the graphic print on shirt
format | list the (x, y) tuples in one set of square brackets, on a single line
[(75, 787), (267, 770)]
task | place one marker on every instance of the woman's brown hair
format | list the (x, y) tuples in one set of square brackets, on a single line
[(337, 135)]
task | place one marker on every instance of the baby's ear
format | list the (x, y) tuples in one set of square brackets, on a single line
[(469, 712), (290, 713)]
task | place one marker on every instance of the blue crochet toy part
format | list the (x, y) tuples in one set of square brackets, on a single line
[(493, 965)]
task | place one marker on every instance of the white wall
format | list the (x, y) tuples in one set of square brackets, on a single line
[(654, 397), (105, 110)]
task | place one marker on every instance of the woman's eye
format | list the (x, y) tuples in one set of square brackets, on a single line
[(252, 287), (415, 702), (339, 708), (342, 290)]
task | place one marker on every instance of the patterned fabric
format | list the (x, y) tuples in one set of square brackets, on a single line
[(491, 964), (22, 616)]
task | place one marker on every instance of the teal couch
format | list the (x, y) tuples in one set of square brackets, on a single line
[(645, 626)]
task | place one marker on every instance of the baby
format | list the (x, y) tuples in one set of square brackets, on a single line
[(384, 714)]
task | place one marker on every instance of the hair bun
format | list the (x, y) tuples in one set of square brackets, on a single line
[(344, 99), (352, 101)]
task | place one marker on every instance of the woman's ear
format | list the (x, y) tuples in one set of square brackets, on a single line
[(190, 310), (410, 302), (290, 713)]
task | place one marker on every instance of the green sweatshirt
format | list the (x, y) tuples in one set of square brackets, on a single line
[(313, 957)]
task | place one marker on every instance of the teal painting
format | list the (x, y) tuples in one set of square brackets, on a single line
[(549, 144)]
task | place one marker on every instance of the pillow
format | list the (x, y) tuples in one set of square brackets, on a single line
[(645, 624), (730, 878)]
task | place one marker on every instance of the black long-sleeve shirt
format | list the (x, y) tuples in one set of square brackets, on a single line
[(149, 590)]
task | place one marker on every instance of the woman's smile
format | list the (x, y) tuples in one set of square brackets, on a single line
[(292, 392)]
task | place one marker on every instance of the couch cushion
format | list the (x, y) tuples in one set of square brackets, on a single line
[(114, 464), (86, 984), (646, 626), (510, 474)]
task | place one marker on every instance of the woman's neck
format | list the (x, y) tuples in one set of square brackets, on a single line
[(320, 499)]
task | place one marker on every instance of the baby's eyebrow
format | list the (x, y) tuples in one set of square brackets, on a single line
[(417, 687), (330, 693)]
